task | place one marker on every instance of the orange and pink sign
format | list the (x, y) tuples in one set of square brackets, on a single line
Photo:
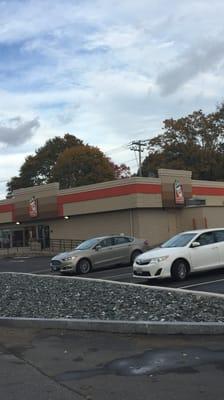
[(33, 207), (178, 192)]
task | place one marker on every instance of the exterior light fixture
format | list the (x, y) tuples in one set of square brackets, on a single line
[(66, 217), (17, 223)]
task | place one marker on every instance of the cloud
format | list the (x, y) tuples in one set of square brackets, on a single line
[(14, 131), (103, 70), (198, 59)]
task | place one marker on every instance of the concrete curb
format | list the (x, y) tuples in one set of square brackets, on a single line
[(130, 327)]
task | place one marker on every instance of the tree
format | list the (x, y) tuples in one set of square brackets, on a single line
[(37, 169), (193, 143), (49, 160), (121, 171), (82, 165)]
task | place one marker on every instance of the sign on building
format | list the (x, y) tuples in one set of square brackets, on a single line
[(178, 192), (33, 207)]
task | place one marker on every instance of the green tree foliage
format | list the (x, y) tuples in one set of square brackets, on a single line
[(68, 161), (82, 165), (192, 143), (37, 169), (121, 171)]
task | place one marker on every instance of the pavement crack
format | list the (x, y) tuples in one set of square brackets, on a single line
[(29, 363)]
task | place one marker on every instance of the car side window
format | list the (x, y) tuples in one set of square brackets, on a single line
[(120, 240), (219, 235), (106, 242), (206, 238)]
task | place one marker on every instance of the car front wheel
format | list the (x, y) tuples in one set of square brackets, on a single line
[(179, 270), (84, 266)]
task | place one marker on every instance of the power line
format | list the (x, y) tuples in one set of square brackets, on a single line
[(138, 146), (126, 146), (117, 149)]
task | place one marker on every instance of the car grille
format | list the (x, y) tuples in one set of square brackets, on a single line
[(142, 262), (142, 273), (55, 262)]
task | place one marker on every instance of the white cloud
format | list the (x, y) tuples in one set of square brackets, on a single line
[(108, 72), (9, 167), (203, 57)]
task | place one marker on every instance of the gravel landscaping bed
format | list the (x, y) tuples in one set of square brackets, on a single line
[(33, 296)]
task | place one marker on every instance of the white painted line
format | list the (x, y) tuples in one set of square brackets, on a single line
[(116, 276), (19, 257), (201, 284), (41, 270)]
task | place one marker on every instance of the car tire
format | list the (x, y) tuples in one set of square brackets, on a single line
[(135, 254), (84, 266), (180, 270)]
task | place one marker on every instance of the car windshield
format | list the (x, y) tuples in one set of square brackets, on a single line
[(87, 244), (180, 240)]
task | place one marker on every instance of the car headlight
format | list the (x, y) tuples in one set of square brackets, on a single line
[(69, 258), (158, 259)]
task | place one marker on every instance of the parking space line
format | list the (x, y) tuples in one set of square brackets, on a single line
[(41, 270), (116, 276), (201, 284)]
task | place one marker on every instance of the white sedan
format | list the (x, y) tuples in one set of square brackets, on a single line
[(187, 252)]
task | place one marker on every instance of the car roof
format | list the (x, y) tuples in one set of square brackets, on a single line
[(108, 236), (202, 230)]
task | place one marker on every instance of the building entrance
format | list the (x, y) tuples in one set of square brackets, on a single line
[(30, 234), (18, 238), (44, 236)]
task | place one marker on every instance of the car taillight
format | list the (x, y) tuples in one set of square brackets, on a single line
[(146, 243)]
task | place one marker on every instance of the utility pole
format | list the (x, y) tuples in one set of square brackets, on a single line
[(138, 146)]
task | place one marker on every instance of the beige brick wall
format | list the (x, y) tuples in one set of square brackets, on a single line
[(214, 216), (5, 217), (86, 226)]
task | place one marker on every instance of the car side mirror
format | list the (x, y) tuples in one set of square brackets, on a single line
[(98, 247), (195, 244)]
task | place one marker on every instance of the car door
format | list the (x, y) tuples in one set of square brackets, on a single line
[(206, 255), (122, 247), (219, 235), (103, 255)]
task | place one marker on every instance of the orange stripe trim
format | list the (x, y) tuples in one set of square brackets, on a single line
[(108, 192), (207, 191), (6, 208)]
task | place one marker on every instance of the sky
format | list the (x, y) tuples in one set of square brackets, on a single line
[(109, 72)]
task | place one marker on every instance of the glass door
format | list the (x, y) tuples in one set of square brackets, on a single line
[(44, 236), (17, 238)]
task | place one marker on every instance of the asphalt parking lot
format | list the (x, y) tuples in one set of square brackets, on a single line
[(69, 365), (57, 364), (210, 281)]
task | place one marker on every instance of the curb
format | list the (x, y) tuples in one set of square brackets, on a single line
[(130, 327)]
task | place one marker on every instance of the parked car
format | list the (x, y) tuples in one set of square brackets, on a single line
[(99, 252), (187, 252)]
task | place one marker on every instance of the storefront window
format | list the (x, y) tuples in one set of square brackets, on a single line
[(4, 238), (17, 238), (44, 236), (30, 234)]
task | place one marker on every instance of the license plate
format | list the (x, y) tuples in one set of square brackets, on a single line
[(138, 272)]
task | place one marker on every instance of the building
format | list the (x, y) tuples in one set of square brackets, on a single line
[(150, 208)]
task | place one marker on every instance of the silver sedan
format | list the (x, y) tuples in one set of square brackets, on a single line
[(99, 252)]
